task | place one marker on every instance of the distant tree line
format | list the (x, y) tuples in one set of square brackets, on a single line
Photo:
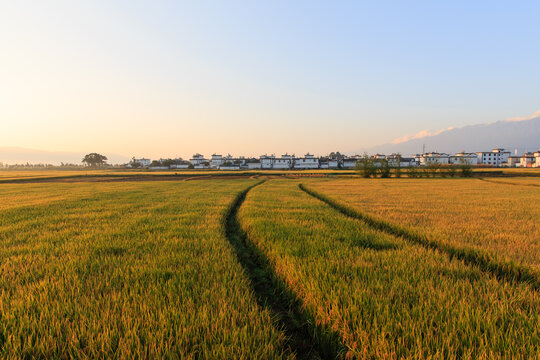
[(369, 167)]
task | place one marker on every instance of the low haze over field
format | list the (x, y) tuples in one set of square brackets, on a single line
[(172, 78)]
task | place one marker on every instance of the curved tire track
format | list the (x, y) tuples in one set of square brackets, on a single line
[(304, 339)]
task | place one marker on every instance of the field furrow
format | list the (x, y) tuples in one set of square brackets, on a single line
[(385, 297), (139, 270), (496, 219), (304, 338), (503, 270)]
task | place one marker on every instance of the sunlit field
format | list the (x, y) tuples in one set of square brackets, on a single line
[(257, 267), (381, 296), (495, 217), (125, 270), (119, 172)]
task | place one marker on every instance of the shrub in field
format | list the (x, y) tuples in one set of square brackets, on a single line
[(397, 171), (366, 167), (451, 170), (466, 169), (413, 172), (384, 168)]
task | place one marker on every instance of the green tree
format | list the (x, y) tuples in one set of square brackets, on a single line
[(452, 170), (135, 164), (94, 159), (412, 172), (366, 166), (384, 168), (398, 165), (466, 169)]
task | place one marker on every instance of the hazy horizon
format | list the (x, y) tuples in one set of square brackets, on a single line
[(245, 78)]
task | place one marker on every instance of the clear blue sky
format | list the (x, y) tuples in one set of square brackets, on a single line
[(167, 78)]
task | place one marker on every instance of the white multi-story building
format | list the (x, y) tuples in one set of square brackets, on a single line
[(307, 162), (350, 162), (240, 161), (434, 158), (253, 163), (396, 160), (267, 162), (198, 159), (496, 157), (143, 162), (216, 161), (536, 159), (527, 160), (284, 162), (327, 163), (513, 161), (463, 158)]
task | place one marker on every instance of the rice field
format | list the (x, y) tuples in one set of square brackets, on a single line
[(384, 297), (258, 268), (126, 271), (491, 216)]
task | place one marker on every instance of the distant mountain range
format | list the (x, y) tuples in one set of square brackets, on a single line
[(17, 155), (523, 135)]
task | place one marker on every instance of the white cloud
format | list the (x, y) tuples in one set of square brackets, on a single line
[(523, 118), (421, 134)]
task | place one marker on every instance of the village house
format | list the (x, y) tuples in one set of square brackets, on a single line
[(240, 161), (527, 160), (350, 162), (284, 162), (142, 162), (216, 161), (198, 159), (267, 162), (181, 164), (229, 166), (307, 162), (463, 158), (253, 164), (396, 160), (536, 158), (434, 158), (496, 157), (328, 163), (513, 161)]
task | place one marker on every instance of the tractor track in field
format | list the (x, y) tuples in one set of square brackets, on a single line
[(304, 338), (507, 182), (506, 271)]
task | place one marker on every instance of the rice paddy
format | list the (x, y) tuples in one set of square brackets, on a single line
[(491, 216), (262, 269)]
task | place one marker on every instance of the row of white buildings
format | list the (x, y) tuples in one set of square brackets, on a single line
[(495, 158)]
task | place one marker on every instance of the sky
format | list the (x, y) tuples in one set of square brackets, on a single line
[(171, 78)]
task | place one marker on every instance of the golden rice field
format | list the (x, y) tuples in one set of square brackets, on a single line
[(493, 216), (384, 297), (263, 268), (126, 270)]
